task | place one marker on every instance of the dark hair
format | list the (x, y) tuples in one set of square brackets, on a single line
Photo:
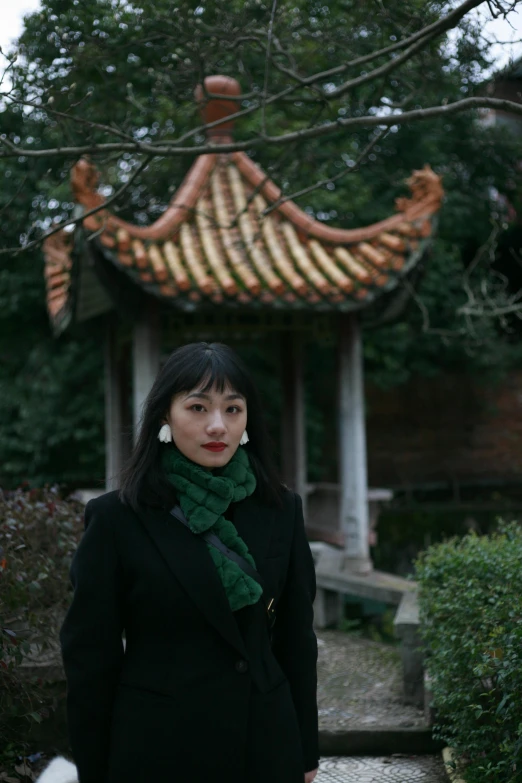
[(216, 366)]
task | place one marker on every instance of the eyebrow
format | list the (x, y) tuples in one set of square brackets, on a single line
[(203, 396)]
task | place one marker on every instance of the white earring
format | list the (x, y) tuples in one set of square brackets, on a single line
[(244, 438), (165, 434)]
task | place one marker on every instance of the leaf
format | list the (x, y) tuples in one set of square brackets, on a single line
[(36, 717)]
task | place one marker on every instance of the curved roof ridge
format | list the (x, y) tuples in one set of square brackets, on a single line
[(427, 195), (426, 187), (84, 181)]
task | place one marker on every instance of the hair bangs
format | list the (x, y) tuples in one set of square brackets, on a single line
[(212, 370)]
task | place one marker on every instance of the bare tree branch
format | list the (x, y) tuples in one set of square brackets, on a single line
[(15, 195), (322, 183), (446, 335), (72, 221), (11, 60), (167, 149), (267, 64), (423, 37), (494, 312), (73, 118), (488, 298), (421, 40), (416, 42)]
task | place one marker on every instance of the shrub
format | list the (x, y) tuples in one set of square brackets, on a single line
[(470, 594), (39, 533)]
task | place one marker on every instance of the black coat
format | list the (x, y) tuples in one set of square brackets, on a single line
[(199, 694)]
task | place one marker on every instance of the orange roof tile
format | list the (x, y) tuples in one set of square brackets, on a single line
[(225, 239)]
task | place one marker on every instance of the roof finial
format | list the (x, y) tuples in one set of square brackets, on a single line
[(213, 109)]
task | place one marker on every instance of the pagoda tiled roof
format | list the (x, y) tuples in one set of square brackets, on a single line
[(229, 238)]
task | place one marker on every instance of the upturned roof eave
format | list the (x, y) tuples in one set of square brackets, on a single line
[(208, 304), (196, 180)]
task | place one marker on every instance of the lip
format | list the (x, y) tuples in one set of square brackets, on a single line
[(215, 446)]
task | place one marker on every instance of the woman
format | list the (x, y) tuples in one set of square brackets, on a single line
[(208, 687)]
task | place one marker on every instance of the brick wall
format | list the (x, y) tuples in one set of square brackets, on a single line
[(448, 428)]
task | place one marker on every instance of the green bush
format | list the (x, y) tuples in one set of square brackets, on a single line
[(39, 533), (470, 594)]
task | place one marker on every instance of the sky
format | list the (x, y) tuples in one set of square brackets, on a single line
[(12, 13), (11, 18)]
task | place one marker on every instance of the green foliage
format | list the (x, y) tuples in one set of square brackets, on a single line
[(39, 533), (51, 414), (470, 594)]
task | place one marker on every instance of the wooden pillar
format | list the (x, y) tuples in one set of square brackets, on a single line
[(113, 413), (352, 447), (146, 358), (293, 424)]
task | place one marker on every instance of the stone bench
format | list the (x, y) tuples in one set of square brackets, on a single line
[(335, 579)]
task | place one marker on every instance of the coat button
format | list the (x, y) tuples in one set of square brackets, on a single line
[(241, 667)]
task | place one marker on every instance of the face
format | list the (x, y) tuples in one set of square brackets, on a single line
[(207, 426)]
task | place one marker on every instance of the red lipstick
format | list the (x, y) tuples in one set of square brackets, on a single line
[(215, 446)]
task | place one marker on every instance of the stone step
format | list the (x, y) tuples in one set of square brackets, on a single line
[(361, 687), (387, 769), (379, 740)]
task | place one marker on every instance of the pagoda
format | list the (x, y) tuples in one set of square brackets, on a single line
[(231, 253)]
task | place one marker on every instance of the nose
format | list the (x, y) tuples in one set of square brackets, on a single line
[(216, 425)]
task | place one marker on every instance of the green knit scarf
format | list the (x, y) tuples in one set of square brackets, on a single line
[(204, 495)]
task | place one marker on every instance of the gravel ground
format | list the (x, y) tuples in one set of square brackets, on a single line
[(360, 684)]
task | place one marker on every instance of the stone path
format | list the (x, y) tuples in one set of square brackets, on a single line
[(417, 769), (360, 684)]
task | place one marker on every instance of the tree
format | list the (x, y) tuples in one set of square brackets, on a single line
[(274, 47), (320, 83)]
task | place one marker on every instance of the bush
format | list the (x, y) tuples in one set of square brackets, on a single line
[(470, 594), (39, 533)]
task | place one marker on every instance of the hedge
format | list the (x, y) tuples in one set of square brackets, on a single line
[(470, 594), (39, 533)]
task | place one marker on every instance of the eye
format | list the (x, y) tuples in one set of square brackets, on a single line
[(234, 409), (197, 407)]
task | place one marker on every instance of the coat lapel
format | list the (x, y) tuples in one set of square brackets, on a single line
[(189, 560)]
